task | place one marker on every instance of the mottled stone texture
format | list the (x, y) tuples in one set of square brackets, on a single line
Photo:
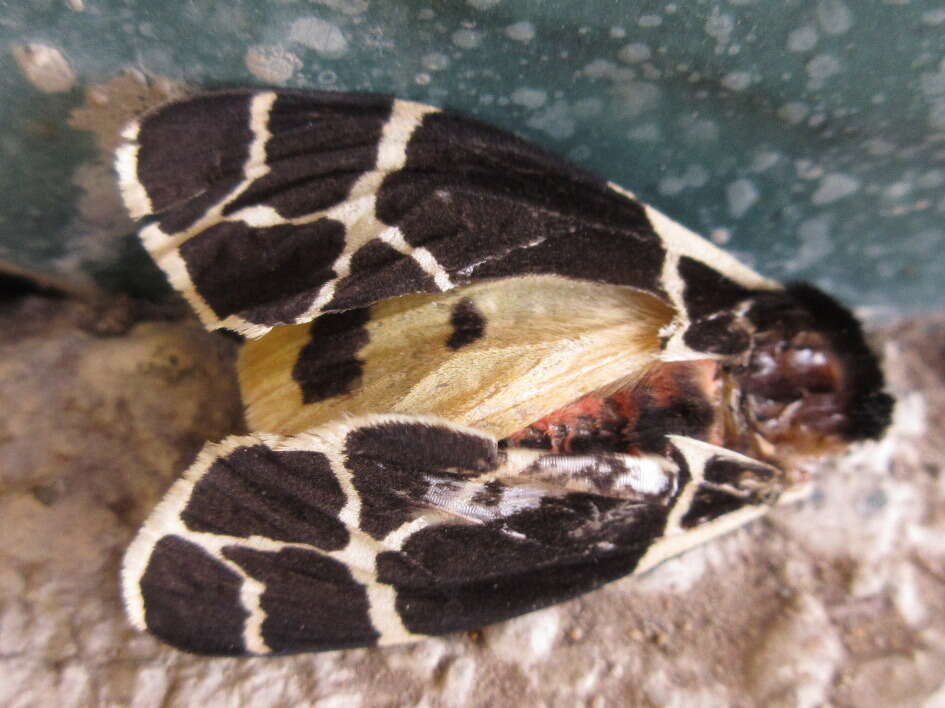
[(838, 600)]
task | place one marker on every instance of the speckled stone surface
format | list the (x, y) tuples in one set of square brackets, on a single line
[(839, 600), (807, 135)]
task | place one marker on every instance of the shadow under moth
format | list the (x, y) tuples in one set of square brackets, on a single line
[(485, 381)]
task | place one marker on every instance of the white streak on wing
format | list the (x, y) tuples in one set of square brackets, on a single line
[(395, 539), (251, 592), (406, 117), (261, 216), (647, 476), (384, 616), (394, 237), (133, 193)]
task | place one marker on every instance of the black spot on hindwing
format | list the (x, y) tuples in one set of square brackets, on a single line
[(467, 322), (328, 365)]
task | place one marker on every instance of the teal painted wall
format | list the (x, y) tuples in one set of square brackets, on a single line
[(807, 136)]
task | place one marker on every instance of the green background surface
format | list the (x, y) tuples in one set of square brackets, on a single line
[(807, 136)]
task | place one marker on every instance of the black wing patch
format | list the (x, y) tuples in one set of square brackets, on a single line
[(274, 207), (390, 528)]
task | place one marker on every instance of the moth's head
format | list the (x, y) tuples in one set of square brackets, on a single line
[(811, 383)]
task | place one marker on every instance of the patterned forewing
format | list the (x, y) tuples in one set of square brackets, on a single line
[(275, 207)]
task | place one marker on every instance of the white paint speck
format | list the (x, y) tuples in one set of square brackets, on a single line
[(521, 31), (422, 79), (45, 67), (720, 235), (650, 21), (931, 179), (897, 190), (834, 16), (435, 61), (737, 80), (646, 133), (932, 83), (315, 33), (803, 39), (529, 97), (806, 169), (272, 64), (765, 160), (834, 186), (879, 147), (588, 107), (634, 53), (76, 5), (719, 26), (694, 176), (483, 4), (346, 7), (815, 243), (933, 18), (814, 229), (670, 186), (637, 97), (741, 195), (700, 130), (467, 38), (937, 115), (598, 69), (618, 32), (793, 112), (556, 120), (822, 67)]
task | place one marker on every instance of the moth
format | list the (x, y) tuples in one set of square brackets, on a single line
[(483, 380)]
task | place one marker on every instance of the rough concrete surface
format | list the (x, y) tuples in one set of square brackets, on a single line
[(839, 600)]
